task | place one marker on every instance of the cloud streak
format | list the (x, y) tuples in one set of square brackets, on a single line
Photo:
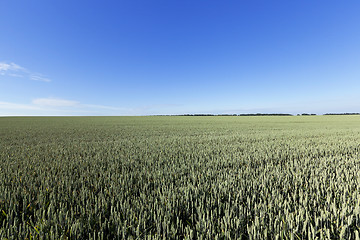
[(16, 106), (61, 107), (39, 78), (15, 70)]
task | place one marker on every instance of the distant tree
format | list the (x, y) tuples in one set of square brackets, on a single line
[(342, 114)]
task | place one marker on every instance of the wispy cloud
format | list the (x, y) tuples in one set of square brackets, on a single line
[(61, 107), (16, 106), (16, 75), (15, 70), (6, 68), (39, 78)]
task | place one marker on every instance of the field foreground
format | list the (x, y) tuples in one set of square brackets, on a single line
[(295, 177)]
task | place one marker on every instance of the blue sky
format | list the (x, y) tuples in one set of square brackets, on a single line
[(177, 57)]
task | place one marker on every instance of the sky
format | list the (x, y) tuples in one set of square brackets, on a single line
[(178, 57)]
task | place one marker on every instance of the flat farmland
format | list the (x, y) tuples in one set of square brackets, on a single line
[(180, 177)]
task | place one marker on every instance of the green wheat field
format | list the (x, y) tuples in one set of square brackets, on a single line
[(180, 177)]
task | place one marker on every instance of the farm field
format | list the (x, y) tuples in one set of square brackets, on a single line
[(178, 177)]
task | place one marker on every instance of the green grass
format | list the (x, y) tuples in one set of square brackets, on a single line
[(293, 177)]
